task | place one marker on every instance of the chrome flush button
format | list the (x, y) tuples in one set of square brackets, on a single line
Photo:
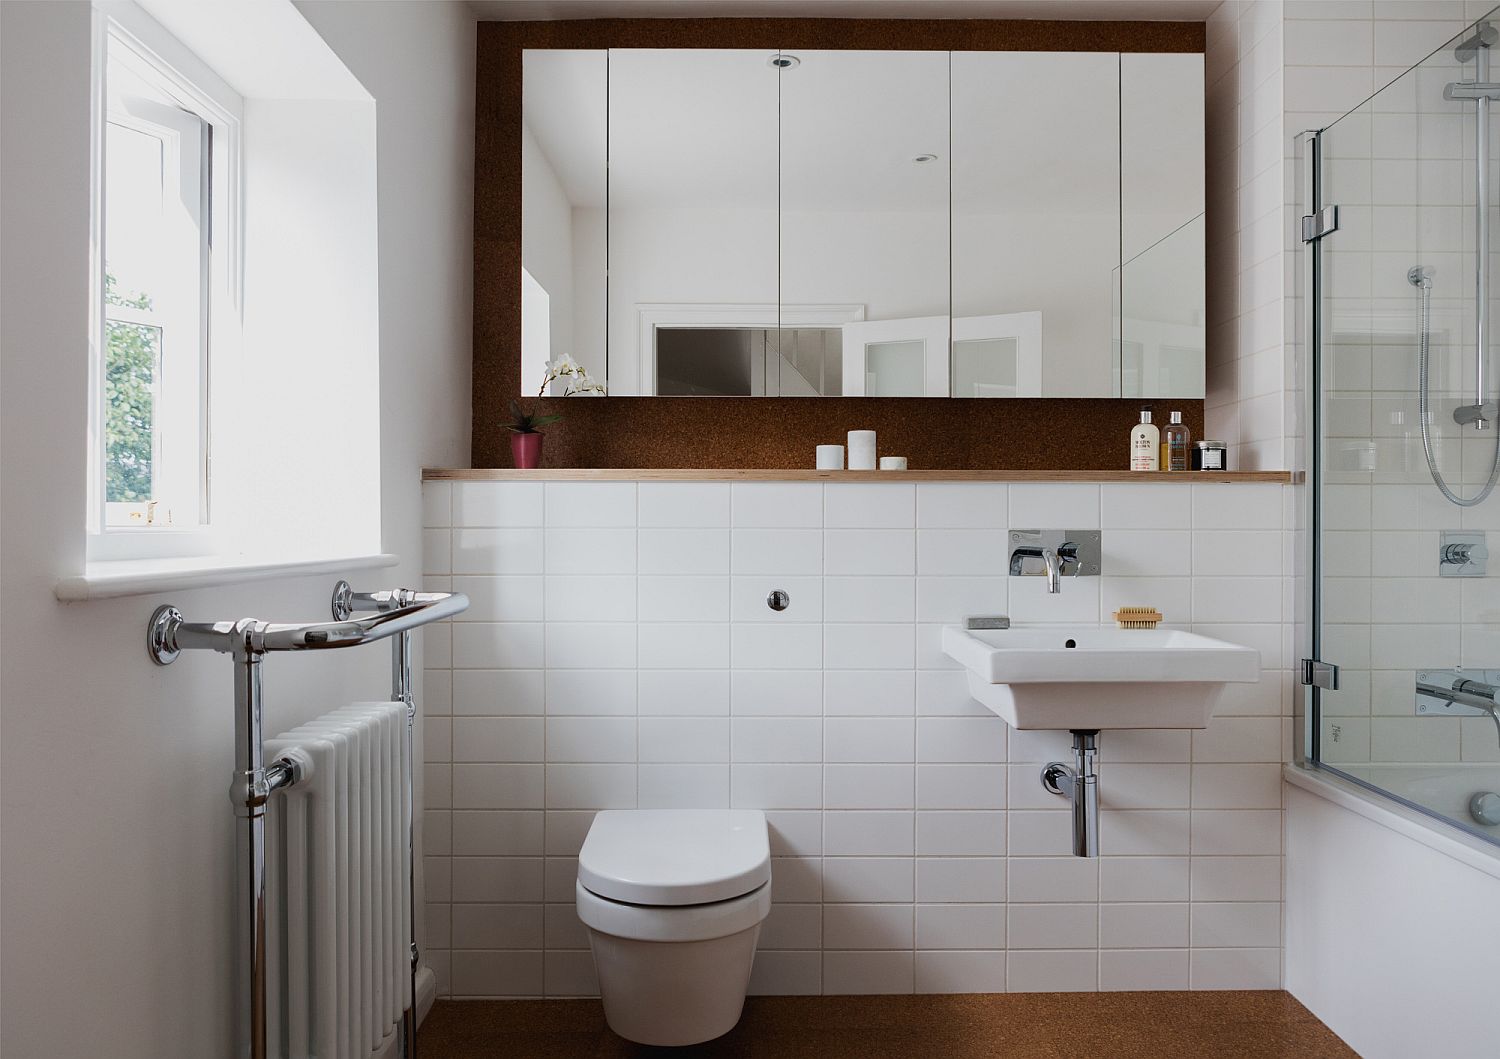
[(778, 600)]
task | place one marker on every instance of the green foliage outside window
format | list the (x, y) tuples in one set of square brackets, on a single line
[(131, 355)]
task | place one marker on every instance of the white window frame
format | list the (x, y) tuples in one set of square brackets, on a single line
[(196, 89)]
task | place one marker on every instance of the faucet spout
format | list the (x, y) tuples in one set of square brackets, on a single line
[(1050, 559), (1054, 571)]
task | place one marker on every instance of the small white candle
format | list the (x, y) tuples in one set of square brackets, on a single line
[(861, 450), (893, 463), (830, 457)]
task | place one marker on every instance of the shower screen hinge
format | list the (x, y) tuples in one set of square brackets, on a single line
[(1317, 674), (1317, 225)]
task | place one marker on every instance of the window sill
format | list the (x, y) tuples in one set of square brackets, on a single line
[(109, 580)]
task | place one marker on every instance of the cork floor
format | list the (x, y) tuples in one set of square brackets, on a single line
[(1198, 1025)]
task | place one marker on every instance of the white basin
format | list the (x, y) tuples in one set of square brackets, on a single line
[(1097, 677)]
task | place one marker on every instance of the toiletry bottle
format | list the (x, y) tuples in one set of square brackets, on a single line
[(1145, 442), (1175, 441)]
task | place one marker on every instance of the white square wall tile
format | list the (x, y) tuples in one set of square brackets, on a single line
[(1066, 971), (868, 693), (590, 597), (869, 551), (683, 645), (776, 692), (590, 551), (683, 551), (1052, 926), (950, 600), (1143, 506), (776, 504), (868, 834), (962, 552), (869, 786), (684, 740), (960, 926), (773, 786), (849, 599), (497, 551), (512, 597), (961, 879), (1253, 506), (582, 645), (437, 551), (891, 646), (867, 926), (591, 786), (867, 880), (960, 972), (1127, 969), (683, 693), (591, 739), (777, 551), (590, 691), (868, 739), (961, 505), (497, 503), (701, 598), (1051, 505), (437, 504), (869, 505), (590, 504), (682, 505), (776, 739), (758, 646), (861, 973)]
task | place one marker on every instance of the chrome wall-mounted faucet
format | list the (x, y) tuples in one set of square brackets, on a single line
[(1053, 553)]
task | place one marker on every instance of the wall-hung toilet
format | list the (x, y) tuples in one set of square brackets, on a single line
[(673, 900)]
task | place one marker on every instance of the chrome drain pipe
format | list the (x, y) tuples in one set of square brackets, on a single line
[(1079, 783)]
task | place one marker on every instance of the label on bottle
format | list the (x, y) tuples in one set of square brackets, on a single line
[(1143, 455)]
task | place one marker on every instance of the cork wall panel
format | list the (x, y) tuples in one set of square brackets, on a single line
[(941, 433)]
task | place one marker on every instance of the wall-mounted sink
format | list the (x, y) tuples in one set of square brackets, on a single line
[(1091, 677)]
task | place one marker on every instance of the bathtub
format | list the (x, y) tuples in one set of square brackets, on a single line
[(1392, 927), (1441, 789)]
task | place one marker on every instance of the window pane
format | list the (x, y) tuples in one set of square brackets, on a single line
[(132, 354)]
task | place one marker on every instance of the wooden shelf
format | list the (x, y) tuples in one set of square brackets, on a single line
[(658, 474)]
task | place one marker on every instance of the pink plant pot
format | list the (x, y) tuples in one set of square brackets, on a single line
[(526, 449)]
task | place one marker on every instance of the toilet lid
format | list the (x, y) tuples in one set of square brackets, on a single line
[(675, 856)]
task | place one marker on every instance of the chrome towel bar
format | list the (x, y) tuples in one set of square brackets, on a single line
[(396, 613)]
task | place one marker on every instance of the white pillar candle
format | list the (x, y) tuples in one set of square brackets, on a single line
[(830, 457), (861, 450), (893, 463)]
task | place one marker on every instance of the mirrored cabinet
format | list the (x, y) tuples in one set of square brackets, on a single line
[(824, 223)]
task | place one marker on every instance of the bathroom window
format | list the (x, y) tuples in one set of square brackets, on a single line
[(164, 294)]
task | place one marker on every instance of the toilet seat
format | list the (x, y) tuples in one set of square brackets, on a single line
[(675, 857), (675, 923)]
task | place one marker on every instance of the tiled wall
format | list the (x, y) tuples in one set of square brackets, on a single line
[(1249, 277), (619, 653)]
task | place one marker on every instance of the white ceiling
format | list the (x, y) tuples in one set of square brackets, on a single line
[(1122, 10)]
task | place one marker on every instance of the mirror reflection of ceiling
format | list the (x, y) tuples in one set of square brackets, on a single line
[(851, 126)]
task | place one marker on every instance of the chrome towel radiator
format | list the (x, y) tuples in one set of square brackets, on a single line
[(395, 613)]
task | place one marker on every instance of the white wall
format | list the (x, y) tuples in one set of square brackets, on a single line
[(116, 906), (620, 654)]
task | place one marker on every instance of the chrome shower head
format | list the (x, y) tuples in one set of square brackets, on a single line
[(1419, 276)]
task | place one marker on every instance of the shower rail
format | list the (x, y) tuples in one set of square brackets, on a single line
[(248, 640)]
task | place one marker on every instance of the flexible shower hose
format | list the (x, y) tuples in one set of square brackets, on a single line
[(1424, 284)]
